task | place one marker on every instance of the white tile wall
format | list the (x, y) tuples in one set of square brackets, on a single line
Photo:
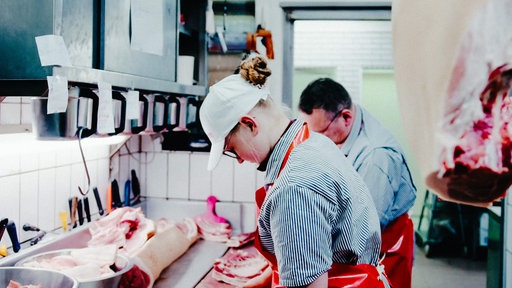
[(10, 111), (157, 175), (9, 206), (200, 178), (28, 202), (38, 177), (178, 176), (222, 179), (15, 110)]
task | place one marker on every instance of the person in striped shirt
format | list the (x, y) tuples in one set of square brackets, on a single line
[(378, 157), (317, 224)]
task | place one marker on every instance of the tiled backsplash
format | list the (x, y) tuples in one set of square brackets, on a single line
[(38, 177)]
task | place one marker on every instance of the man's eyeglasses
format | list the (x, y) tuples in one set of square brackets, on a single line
[(332, 120), (231, 152)]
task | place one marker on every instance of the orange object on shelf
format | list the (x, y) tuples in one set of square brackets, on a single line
[(267, 41)]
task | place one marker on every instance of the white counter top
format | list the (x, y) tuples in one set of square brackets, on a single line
[(192, 266)]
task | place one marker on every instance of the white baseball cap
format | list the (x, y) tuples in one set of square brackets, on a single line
[(227, 101)]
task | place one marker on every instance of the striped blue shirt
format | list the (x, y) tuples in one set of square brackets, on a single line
[(379, 159), (318, 211)]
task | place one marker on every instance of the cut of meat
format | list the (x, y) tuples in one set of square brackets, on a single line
[(162, 250), (14, 284), (241, 239), (85, 264), (125, 227), (243, 268), (189, 228), (211, 226), (135, 278), (453, 73), (213, 231), (479, 169), (151, 246)]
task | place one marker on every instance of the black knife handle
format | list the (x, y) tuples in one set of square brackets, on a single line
[(3, 224), (116, 197), (13, 234), (80, 212), (98, 200), (87, 210), (28, 227), (135, 188)]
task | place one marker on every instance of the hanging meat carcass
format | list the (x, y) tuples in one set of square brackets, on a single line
[(453, 65)]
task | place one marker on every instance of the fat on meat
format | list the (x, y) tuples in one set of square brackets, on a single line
[(14, 284), (452, 67), (211, 226), (242, 268), (126, 227), (84, 264)]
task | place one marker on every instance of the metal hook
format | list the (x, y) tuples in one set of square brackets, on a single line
[(85, 164)]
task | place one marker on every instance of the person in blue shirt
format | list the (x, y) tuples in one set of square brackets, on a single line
[(378, 157)]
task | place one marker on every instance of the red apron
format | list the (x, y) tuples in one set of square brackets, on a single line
[(398, 250), (340, 275)]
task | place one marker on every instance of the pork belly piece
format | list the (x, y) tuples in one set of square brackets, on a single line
[(125, 227), (243, 268), (211, 226)]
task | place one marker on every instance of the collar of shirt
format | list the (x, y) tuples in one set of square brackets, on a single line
[(277, 155), (354, 132), (263, 165)]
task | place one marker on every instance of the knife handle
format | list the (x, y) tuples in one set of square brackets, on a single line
[(13, 234), (72, 210), (3, 224), (80, 212), (127, 188), (98, 200), (87, 210), (116, 197), (135, 188)]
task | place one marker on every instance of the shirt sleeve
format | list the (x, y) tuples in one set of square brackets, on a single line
[(301, 235), (381, 172)]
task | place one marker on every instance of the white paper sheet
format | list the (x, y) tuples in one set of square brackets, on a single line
[(147, 26), (52, 51), (105, 112), (57, 94), (132, 104)]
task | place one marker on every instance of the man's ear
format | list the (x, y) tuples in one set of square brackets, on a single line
[(348, 116), (249, 122)]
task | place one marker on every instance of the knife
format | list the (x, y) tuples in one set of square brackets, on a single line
[(80, 212), (13, 234), (98, 200), (72, 210), (86, 208), (127, 186), (135, 188), (3, 224), (116, 198)]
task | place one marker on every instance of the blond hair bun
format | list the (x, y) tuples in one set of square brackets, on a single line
[(255, 70)]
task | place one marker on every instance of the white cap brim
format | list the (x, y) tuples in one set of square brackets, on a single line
[(215, 153)]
